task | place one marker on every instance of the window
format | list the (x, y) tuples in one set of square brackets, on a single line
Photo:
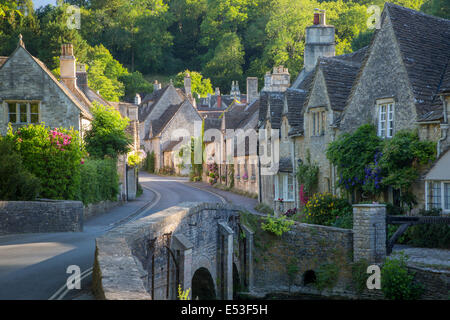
[(23, 112), (438, 195), (284, 187), (386, 120), (317, 123)]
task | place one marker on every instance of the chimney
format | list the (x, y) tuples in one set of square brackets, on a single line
[(188, 85), (137, 99), (319, 40), (219, 98), (235, 93), (156, 85), (68, 66), (278, 81), (82, 77), (252, 89)]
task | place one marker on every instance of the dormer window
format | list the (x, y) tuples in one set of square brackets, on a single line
[(386, 120)]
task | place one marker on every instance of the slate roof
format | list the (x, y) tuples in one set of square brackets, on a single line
[(285, 165), (153, 99), (424, 43), (156, 126), (445, 85), (171, 145), (276, 102)]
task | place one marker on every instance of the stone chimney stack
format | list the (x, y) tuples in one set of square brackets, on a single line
[(278, 81), (252, 89), (188, 85), (219, 98), (156, 85), (137, 99), (68, 66), (235, 92), (319, 41), (82, 76)]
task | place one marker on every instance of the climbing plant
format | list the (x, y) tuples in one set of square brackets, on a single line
[(307, 177)]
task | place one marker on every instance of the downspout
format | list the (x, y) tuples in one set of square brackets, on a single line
[(259, 173), (294, 167), (444, 127)]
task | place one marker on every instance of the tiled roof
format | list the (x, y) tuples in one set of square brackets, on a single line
[(171, 145), (445, 85), (285, 165), (158, 125), (275, 100), (424, 43), (151, 99)]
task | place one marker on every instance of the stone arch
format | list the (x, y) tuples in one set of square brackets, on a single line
[(203, 285), (309, 277)]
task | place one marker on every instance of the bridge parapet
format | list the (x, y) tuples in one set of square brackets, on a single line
[(150, 257)]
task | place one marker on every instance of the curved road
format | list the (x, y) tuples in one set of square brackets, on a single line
[(33, 266)]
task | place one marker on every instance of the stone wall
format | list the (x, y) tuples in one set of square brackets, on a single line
[(40, 216), (95, 209), (282, 264)]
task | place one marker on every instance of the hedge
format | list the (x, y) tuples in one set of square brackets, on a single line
[(99, 180)]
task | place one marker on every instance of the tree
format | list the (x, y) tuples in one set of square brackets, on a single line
[(439, 8), (107, 135), (226, 64), (200, 85)]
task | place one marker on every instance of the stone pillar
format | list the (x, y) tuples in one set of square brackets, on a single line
[(369, 232), (227, 232), (247, 267), (180, 242)]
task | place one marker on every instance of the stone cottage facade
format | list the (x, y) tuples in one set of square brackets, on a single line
[(397, 82)]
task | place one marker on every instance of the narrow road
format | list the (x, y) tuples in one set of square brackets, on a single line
[(33, 266)]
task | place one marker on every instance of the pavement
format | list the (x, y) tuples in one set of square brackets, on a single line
[(33, 266), (425, 258)]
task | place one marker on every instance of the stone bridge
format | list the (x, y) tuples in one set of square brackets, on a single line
[(199, 246)]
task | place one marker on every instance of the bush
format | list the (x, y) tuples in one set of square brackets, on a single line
[(277, 225), (16, 182), (344, 219), (107, 135), (429, 235), (396, 282), (264, 208), (325, 208), (99, 181), (326, 276), (359, 275), (150, 162), (53, 156)]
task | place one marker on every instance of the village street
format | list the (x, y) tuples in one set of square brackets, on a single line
[(33, 266)]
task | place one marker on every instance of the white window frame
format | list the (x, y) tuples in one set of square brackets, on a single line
[(29, 114), (386, 118), (283, 179), (442, 195)]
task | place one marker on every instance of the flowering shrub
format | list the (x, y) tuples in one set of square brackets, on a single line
[(290, 212), (134, 159), (213, 170), (325, 208), (53, 156), (245, 176), (276, 225)]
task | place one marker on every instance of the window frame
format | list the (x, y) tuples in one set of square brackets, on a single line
[(443, 196), (386, 118), (18, 114), (317, 122), (282, 179)]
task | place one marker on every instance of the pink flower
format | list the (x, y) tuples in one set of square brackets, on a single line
[(19, 140), (82, 161)]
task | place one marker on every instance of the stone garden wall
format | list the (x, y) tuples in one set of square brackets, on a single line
[(40, 216)]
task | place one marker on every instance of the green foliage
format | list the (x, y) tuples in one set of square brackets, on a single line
[(53, 156), (352, 154), (16, 182), (327, 209), (183, 294), (439, 8), (429, 235), (277, 225), (402, 158), (308, 175), (326, 276), (359, 275), (99, 180), (134, 159), (264, 208), (107, 135), (344, 218), (134, 83), (150, 162), (397, 283), (201, 86)]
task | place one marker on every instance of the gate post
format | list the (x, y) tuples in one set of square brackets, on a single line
[(369, 232)]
